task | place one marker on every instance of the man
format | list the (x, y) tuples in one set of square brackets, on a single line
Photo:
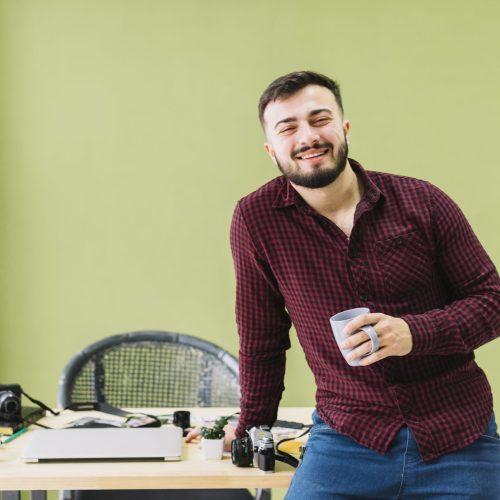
[(415, 419)]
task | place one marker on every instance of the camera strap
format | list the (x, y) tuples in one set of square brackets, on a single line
[(40, 404), (287, 459), (132, 419), (88, 406), (152, 421), (283, 456)]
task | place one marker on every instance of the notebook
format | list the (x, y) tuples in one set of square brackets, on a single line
[(146, 443)]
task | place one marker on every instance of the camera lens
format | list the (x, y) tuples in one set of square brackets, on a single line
[(242, 452), (9, 403)]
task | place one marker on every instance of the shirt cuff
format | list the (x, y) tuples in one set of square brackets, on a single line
[(240, 431), (423, 331)]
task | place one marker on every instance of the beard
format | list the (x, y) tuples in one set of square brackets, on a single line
[(321, 176)]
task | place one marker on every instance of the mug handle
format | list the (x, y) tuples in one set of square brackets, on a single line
[(370, 331)]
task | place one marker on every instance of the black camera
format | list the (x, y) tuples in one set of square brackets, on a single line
[(256, 450), (10, 402)]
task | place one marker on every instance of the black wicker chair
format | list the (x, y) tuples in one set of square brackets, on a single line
[(154, 369)]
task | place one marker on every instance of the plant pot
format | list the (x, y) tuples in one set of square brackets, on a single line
[(212, 448)]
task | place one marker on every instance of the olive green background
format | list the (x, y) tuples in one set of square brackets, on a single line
[(128, 131)]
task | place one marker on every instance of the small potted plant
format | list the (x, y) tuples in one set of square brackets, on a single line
[(212, 439)]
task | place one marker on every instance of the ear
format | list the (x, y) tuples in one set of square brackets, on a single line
[(270, 151), (347, 128)]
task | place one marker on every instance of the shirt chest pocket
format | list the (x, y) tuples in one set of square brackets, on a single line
[(406, 264)]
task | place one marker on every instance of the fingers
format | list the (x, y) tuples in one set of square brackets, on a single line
[(230, 431), (373, 358), (359, 341), (360, 351), (394, 336), (229, 436), (192, 434), (227, 443), (364, 319), (356, 340)]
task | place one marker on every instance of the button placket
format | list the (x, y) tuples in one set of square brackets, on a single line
[(403, 400), (358, 272)]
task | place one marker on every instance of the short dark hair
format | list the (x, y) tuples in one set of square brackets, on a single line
[(287, 85)]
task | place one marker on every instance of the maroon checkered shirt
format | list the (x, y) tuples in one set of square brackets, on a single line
[(412, 254)]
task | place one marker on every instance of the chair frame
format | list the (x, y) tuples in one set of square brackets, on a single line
[(76, 363)]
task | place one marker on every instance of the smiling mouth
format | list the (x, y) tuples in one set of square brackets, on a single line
[(310, 156)]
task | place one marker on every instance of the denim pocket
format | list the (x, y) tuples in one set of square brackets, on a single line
[(319, 426)]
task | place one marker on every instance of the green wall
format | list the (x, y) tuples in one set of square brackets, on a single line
[(128, 131)]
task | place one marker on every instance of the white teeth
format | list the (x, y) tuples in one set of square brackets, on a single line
[(306, 157)]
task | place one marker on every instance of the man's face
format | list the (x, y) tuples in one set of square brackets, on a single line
[(307, 136)]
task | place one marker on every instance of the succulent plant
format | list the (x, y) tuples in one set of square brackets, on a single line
[(217, 431)]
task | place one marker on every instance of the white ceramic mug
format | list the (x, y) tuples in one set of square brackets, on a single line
[(340, 321)]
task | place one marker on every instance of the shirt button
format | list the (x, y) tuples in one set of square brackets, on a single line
[(365, 298), (400, 240), (406, 410)]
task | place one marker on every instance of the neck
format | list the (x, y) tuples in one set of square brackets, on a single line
[(342, 194)]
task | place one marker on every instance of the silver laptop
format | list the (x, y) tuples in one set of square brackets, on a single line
[(160, 443)]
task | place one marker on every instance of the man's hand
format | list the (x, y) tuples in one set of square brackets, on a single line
[(193, 434), (393, 333)]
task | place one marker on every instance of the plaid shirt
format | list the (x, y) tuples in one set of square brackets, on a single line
[(411, 254)]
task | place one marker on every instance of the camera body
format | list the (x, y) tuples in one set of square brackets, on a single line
[(10, 402), (256, 449)]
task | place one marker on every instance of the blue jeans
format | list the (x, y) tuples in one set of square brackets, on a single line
[(334, 466)]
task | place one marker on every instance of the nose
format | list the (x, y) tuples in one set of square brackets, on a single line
[(307, 135)]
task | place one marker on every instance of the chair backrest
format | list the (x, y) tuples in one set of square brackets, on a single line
[(151, 369)]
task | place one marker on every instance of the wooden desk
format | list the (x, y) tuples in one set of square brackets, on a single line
[(191, 472)]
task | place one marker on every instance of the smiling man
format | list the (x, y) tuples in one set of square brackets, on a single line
[(319, 163), (415, 419)]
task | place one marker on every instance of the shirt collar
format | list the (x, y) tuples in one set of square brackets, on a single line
[(288, 196)]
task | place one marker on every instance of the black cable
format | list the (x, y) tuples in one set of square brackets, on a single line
[(40, 404), (287, 459), (283, 456)]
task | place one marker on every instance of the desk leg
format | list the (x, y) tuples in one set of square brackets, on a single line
[(11, 495), (16, 495), (263, 494), (39, 495)]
